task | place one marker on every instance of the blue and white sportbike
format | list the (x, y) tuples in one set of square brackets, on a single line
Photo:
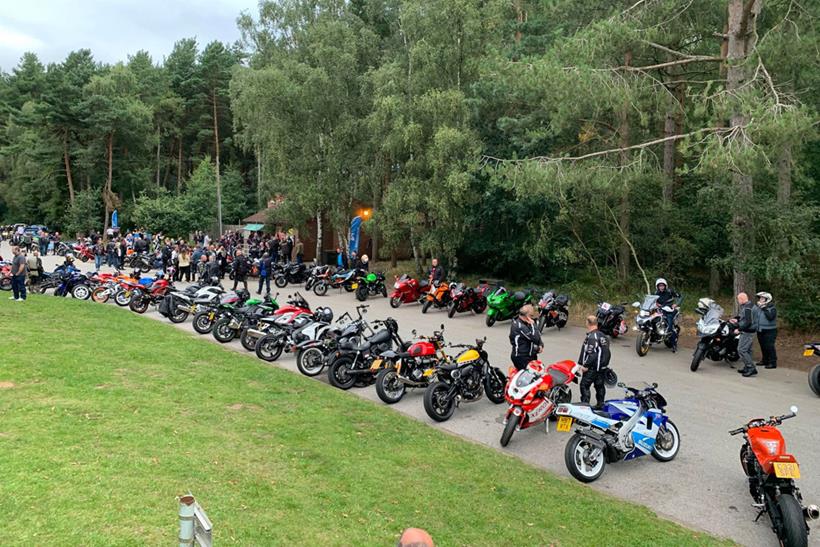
[(624, 429)]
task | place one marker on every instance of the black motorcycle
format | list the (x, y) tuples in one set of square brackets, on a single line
[(230, 325), (141, 262), (291, 273), (554, 311), (652, 326), (205, 318), (312, 356), (314, 275), (351, 364), (611, 318), (718, 337), (814, 373), (464, 379)]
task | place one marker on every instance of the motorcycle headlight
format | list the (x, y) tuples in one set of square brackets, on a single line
[(395, 285), (710, 329)]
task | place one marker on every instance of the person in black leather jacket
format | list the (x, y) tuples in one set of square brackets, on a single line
[(595, 356), (747, 324), (436, 273), (668, 297), (525, 337), (767, 329)]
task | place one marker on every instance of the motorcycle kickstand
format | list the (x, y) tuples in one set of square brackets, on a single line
[(762, 510)]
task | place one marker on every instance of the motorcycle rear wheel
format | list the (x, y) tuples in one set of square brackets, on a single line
[(814, 379), (494, 383), (361, 293), (426, 306), (338, 373), (451, 310), (509, 429), (269, 348), (248, 342), (479, 306), (577, 449), (310, 361), (178, 316), (81, 292), (388, 386), (435, 404), (642, 344), (281, 281), (138, 305), (793, 523), (5, 284)]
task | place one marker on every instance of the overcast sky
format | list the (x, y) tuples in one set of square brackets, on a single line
[(112, 29)]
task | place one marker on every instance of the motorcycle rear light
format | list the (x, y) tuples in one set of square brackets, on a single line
[(562, 410)]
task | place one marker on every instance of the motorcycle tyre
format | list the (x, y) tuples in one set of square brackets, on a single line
[(451, 310), (490, 321), (569, 460), (83, 290), (381, 379), (202, 324), (221, 332), (248, 342), (426, 306), (332, 373), (494, 375), (281, 281), (697, 358), (429, 393), (793, 532), (814, 379), (267, 350), (395, 302), (138, 305), (100, 295), (361, 293), (640, 348), (676, 434), (509, 429), (320, 289), (304, 369)]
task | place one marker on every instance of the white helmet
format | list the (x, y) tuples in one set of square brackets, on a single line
[(365, 259), (766, 297), (660, 280), (704, 304)]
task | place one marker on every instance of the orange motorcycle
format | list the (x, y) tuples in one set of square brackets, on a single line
[(439, 296)]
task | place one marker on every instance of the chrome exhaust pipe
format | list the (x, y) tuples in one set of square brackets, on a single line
[(812, 512), (255, 333)]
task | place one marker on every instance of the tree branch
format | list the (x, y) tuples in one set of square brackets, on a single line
[(692, 59)]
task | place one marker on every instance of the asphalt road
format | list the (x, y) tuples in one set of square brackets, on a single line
[(703, 488)]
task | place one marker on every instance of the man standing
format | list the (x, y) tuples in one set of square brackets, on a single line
[(241, 267), (18, 275), (594, 359), (747, 323), (525, 337), (35, 268), (767, 329), (341, 259), (264, 274)]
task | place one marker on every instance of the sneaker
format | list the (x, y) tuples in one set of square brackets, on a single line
[(12, 298), (20, 300), (750, 372), (771, 366)]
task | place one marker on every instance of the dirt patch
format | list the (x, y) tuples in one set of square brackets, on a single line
[(7, 385), (240, 406)]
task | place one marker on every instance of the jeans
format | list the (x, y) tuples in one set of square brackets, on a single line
[(98, 262), (266, 281), (766, 339), (593, 377), (18, 286), (43, 247), (670, 327), (744, 349)]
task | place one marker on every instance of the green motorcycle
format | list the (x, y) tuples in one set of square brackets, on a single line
[(371, 284), (503, 304)]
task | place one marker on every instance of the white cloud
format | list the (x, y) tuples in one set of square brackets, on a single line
[(18, 41)]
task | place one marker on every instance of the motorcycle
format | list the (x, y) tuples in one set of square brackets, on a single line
[(503, 305), (291, 273), (438, 296), (463, 379), (347, 280), (178, 305), (371, 284), (313, 356), (83, 252), (465, 299), (534, 392), (611, 319), (129, 286), (771, 472), (814, 373), (407, 289), (73, 283), (352, 362), (232, 321), (718, 338), (315, 274), (651, 324), (204, 319), (554, 310), (285, 332), (414, 368), (152, 295), (141, 262), (624, 429), (5, 277)]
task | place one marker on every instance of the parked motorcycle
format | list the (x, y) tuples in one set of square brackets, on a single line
[(204, 319), (414, 368), (151, 295), (439, 296), (534, 392), (313, 356), (83, 252), (651, 324), (291, 273), (554, 310), (611, 319), (624, 429), (178, 305), (352, 362), (74, 283), (771, 472), (464, 379), (503, 305), (407, 289), (315, 274), (464, 299), (814, 373), (232, 321), (718, 337), (140, 261), (278, 333), (371, 284)]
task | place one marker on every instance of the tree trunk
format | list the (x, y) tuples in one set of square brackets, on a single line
[(520, 17), (714, 280), (319, 238), (394, 259), (259, 201), (218, 176), (784, 176), (159, 156), (624, 130), (67, 160), (742, 36), (108, 182), (179, 165)]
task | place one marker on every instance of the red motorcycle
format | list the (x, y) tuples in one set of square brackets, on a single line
[(83, 252), (771, 472), (151, 295), (468, 298), (5, 277), (407, 289), (534, 392)]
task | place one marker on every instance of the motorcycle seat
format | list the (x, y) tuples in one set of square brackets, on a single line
[(558, 377), (594, 410)]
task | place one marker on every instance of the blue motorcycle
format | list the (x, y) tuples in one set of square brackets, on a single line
[(73, 283), (624, 429)]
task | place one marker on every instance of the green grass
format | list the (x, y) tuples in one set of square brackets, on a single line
[(112, 415)]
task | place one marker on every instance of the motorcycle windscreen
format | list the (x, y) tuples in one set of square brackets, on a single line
[(649, 302)]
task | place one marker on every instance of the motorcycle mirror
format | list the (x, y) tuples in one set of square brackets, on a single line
[(442, 326), (636, 304), (793, 409), (654, 385), (413, 331), (622, 385)]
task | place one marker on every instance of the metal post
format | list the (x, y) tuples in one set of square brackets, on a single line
[(186, 520)]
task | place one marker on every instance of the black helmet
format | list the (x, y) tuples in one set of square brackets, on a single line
[(323, 314), (610, 378)]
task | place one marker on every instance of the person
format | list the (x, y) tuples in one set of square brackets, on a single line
[(364, 263), (264, 273), (355, 263), (68, 264), (415, 537), (747, 324), (123, 253), (99, 254), (594, 360), (525, 338), (273, 249), (240, 270), (213, 270), (285, 249), (341, 259), (668, 297), (184, 258), (436, 273), (18, 275), (767, 329), (202, 269), (111, 253), (35, 267), (299, 252)]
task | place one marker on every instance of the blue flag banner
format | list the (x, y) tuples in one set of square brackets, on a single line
[(115, 219), (355, 227)]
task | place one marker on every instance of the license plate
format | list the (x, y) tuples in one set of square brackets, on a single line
[(377, 364), (786, 470), (429, 372), (808, 352), (564, 424), (354, 286)]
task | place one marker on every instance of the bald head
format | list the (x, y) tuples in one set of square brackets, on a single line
[(742, 298), (415, 537)]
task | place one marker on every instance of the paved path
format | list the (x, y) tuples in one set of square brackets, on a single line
[(702, 488)]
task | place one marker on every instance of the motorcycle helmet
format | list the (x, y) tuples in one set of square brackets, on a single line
[(703, 305), (325, 315), (766, 297), (660, 281), (69, 257), (365, 259), (610, 378)]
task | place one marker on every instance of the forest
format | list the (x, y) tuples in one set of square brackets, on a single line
[(603, 142)]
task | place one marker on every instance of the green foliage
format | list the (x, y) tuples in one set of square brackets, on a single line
[(84, 215)]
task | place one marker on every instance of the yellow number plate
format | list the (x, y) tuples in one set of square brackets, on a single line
[(808, 352), (377, 364), (354, 286), (564, 424), (786, 470), (429, 372)]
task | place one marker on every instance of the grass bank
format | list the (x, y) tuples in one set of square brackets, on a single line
[(107, 416)]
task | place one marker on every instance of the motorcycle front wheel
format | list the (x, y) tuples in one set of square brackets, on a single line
[(361, 293), (697, 358), (509, 429), (5, 284), (138, 305), (281, 281), (222, 331), (123, 298), (388, 386), (248, 342), (426, 306), (436, 403), (814, 379), (395, 302), (667, 443), (100, 295), (451, 310), (269, 348), (320, 289), (81, 292), (178, 316), (792, 531), (490, 321), (577, 457), (642, 343), (202, 322)]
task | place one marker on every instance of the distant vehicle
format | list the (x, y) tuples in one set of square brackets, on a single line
[(35, 229)]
